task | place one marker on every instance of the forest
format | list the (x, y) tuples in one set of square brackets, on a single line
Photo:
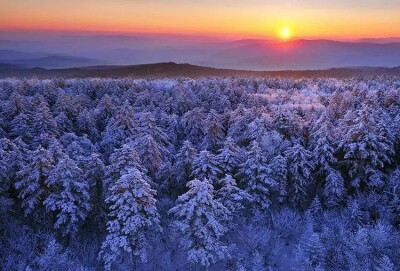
[(210, 174)]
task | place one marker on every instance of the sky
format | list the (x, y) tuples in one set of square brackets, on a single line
[(264, 18)]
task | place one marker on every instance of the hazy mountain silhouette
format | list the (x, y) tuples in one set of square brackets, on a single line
[(66, 51)]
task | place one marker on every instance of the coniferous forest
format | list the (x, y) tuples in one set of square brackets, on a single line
[(200, 174)]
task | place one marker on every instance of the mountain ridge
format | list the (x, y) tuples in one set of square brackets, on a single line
[(171, 69)]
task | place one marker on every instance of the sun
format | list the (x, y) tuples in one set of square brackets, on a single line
[(285, 33)]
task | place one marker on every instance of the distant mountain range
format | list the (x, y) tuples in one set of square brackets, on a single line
[(68, 51), (170, 70), (32, 60)]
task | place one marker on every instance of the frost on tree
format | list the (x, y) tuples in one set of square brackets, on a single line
[(121, 161), (192, 124), (326, 163), (121, 129), (150, 153), (184, 162), (200, 218), (366, 148), (299, 172), (214, 132), (256, 176), (230, 195), (133, 216), (69, 197), (205, 166), (31, 180), (279, 173), (229, 157)]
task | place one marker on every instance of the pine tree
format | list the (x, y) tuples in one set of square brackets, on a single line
[(149, 127), (20, 126), (69, 196), (334, 190), (121, 161), (192, 124), (86, 124), (279, 173), (229, 157), (315, 206), (94, 175), (256, 173), (367, 148), (104, 111), (299, 171), (205, 166), (64, 124), (385, 264), (43, 122), (323, 147), (120, 130), (149, 152), (31, 180), (214, 132), (230, 195), (133, 215), (311, 252), (200, 218), (184, 162)]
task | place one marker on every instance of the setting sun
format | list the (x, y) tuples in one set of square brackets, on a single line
[(285, 33)]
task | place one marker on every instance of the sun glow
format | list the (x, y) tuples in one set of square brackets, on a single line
[(285, 33)]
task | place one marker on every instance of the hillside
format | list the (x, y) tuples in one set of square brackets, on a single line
[(170, 69)]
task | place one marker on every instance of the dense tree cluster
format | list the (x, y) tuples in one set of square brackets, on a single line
[(200, 174)]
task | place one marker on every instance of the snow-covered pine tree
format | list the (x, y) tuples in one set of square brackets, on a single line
[(205, 166), (150, 153), (192, 124), (43, 122), (68, 197), (184, 161), (214, 132), (231, 196), (299, 171), (19, 126), (315, 207), (334, 190), (94, 176), (311, 252), (229, 157), (148, 126), (200, 218), (385, 264), (256, 176), (323, 146), (121, 161), (121, 129), (31, 180), (279, 173), (133, 216), (104, 111), (366, 148), (87, 124)]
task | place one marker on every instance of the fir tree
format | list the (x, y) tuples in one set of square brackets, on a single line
[(299, 171), (133, 215), (200, 218), (256, 173), (69, 196), (31, 180), (205, 166), (229, 157), (184, 162), (367, 148), (230, 195)]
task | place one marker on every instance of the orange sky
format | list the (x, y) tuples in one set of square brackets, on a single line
[(307, 18)]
